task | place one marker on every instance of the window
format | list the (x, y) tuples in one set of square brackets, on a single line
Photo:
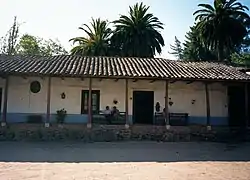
[(95, 101), (35, 87)]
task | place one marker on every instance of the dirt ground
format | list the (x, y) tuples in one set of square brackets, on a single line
[(124, 161)]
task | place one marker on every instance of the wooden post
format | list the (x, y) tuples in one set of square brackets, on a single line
[(90, 104), (5, 101), (126, 103), (166, 106), (207, 106), (48, 102), (246, 105)]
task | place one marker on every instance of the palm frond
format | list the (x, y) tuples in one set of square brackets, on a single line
[(96, 41), (137, 34), (222, 26)]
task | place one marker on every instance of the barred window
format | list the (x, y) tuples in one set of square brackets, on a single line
[(95, 101)]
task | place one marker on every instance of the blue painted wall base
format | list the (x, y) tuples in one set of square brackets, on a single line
[(83, 118), (70, 118), (214, 121)]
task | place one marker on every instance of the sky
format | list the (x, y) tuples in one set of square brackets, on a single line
[(61, 18)]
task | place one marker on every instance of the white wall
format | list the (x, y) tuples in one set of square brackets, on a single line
[(182, 95), (21, 100), (109, 90)]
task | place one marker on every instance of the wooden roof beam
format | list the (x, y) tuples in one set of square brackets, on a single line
[(189, 82), (172, 82)]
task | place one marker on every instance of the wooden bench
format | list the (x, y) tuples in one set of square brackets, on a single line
[(178, 119), (175, 119), (101, 119)]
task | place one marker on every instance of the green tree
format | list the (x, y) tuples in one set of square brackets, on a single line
[(177, 49), (241, 58), (28, 45), (51, 47), (97, 39), (9, 41), (194, 49), (31, 45), (222, 26), (138, 33), (245, 47)]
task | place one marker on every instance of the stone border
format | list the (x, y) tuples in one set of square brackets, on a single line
[(104, 133)]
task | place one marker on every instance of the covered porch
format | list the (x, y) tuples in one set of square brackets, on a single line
[(151, 91), (159, 102)]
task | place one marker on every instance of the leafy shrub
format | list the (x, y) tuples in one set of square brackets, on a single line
[(60, 116)]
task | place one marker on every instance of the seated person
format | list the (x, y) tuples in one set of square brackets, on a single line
[(115, 112), (107, 114), (107, 111)]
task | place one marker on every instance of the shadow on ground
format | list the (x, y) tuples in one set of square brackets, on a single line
[(121, 152)]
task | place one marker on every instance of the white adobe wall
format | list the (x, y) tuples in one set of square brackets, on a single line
[(182, 95), (21, 100), (109, 90)]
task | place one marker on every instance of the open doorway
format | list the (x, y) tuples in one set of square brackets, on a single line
[(143, 107), (236, 106)]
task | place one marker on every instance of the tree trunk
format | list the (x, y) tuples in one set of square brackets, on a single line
[(220, 52)]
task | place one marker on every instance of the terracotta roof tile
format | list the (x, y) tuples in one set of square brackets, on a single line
[(77, 66)]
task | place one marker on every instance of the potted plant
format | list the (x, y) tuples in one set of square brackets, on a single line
[(60, 117)]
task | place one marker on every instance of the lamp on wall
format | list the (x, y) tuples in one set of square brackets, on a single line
[(115, 101), (63, 95), (170, 102)]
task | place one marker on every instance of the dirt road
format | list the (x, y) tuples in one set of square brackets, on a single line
[(124, 161)]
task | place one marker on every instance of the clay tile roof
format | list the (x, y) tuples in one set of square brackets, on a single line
[(118, 67)]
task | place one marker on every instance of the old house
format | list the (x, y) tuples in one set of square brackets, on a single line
[(144, 90)]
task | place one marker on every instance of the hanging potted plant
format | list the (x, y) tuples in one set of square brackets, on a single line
[(60, 117), (157, 107)]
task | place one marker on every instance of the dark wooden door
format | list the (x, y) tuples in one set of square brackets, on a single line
[(143, 107), (236, 105)]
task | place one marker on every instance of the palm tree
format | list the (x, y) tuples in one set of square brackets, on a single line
[(138, 33), (96, 43), (222, 26)]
